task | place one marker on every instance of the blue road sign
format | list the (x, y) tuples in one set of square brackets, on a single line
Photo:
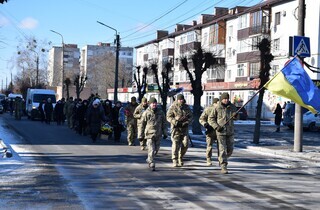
[(301, 46)]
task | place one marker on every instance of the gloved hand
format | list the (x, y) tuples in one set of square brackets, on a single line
[(165, 136), (179, 124), (185, 124), (209, 129), (206, 125), (219, 128)]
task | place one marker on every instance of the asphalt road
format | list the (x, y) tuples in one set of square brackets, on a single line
[(59, 169)]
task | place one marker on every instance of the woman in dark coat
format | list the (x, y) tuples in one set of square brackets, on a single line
[(278, 116), (95, 117), (48, 110)]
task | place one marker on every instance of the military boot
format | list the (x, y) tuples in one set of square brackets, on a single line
[(224, 169), (174, 163), (209, 162), (152, 166), (180, 162)]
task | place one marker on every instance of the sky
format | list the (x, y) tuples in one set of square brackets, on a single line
[(136, 21)]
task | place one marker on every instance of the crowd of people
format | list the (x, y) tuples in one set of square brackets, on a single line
[(147, 124)]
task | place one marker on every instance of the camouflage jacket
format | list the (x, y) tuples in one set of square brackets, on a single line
[(179, 113), (205, 116), (128, 111), (219, 116), (153, 123), (138, 113)]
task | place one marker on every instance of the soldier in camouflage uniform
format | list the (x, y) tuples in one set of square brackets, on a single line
[(221, 118), (154, 127), (211, 135), (138, 114), (131, 121), (180, 116)]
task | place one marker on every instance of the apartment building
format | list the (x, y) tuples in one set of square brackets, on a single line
[(98, 63), (232, 35), (70, 65)]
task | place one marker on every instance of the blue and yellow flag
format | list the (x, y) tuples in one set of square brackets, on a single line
[(294, 83)]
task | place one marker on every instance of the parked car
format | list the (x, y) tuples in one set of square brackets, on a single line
[(311, 121), (243, 114), (288, 115)]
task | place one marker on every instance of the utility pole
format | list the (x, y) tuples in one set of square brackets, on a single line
[(297, 147), (115, 96)]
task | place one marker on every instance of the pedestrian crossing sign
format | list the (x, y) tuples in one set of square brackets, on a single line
[(301, 46)]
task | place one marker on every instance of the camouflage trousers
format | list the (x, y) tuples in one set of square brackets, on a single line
[(132, 133), (210, 139), (180, 145), (225, 144), (153, 148)]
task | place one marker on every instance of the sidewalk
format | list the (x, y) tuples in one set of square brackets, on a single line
[(272, 147)]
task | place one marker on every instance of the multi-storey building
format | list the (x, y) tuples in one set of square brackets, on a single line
[(233, 35), (70, 65), (98, 63)]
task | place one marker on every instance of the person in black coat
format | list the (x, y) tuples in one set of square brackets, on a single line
[(48, 110), (58, 112), (116, 124), (95, 118), (278, 117), (41, 110)]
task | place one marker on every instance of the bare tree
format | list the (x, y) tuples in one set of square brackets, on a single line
[(201, 62), (67, 83), (141, 81), (266, 57), (164, 85), (79, 82)]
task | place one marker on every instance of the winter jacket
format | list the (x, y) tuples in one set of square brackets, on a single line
[(153, 123)]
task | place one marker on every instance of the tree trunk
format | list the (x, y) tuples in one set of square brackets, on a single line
[(196, 126), (256, 136)]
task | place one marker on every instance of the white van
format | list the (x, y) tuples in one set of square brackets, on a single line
[(33, 99)]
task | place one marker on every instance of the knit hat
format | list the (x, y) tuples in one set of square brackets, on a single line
[(144, 100), (224, 96), (215, 100), (133, 99), (180, 97), (152, 100), (96, 102)]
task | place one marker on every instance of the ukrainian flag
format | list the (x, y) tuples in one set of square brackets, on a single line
[(294, 83)]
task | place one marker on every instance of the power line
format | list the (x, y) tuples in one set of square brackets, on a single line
[(157, 18)]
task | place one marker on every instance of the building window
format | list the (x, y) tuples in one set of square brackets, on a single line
[(230, 33), (229, 52), (228, 74), (277, 18), (254, 69), (255, 43), (205, 39), (274, 70), (242, 46), (212, 73), (209, 98), (276, 44), (243, 21), (240, 70)]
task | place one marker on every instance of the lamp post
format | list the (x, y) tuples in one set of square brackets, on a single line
[(117, 62), (37, 62), (62, 62)]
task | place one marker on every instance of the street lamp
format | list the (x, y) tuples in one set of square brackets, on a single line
[(117, 62), (62, 62)]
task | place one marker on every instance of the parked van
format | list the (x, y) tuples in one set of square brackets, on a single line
[(33, 99)]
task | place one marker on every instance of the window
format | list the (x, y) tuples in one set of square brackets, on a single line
[(243, 21), (205, 39), (240, 70), (255, 43), (209, 98), (274, 70), (277, 18), (230, 33), (276, 44), (212, 73), (228, 74), (254, 69), (242, 46), (256, 19), (229, 52)]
